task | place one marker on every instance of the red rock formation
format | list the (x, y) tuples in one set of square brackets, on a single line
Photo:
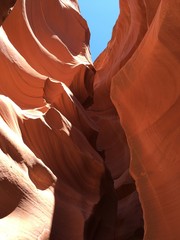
[(49, 158), (69, 135), (5, 9), (146, 95), (139, 71)]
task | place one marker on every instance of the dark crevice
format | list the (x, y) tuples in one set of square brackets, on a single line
[(5, 9), (102, 222)]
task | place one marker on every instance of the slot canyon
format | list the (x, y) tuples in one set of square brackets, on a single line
[(89, 151)]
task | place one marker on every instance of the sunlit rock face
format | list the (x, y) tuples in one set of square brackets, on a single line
[(89, 151), (137, 87)]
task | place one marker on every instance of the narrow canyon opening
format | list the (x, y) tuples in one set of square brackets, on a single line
[(124, 201), (101, 18), (95, 137)]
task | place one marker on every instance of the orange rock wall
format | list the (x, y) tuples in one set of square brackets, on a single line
[(138, 75), (89, 151), (146, 93)]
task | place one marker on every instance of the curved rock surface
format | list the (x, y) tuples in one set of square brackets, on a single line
[(89, 151)]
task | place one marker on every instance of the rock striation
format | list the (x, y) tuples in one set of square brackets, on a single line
[(89, 151)]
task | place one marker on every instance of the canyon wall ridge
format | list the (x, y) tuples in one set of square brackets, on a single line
[(89, 150)]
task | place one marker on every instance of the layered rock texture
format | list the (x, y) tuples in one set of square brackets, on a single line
[(89, 151)]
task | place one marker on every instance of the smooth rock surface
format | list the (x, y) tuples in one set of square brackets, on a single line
[(89, 151)]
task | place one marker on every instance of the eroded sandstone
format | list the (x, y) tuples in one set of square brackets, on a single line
[(89, 151)]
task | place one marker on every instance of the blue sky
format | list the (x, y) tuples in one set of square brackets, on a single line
[(101, 16)]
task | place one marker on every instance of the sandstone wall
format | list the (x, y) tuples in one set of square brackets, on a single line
[(89, 151)]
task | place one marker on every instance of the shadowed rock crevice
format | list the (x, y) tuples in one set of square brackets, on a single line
[(10, 198), (102, 222), (5, 9)]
